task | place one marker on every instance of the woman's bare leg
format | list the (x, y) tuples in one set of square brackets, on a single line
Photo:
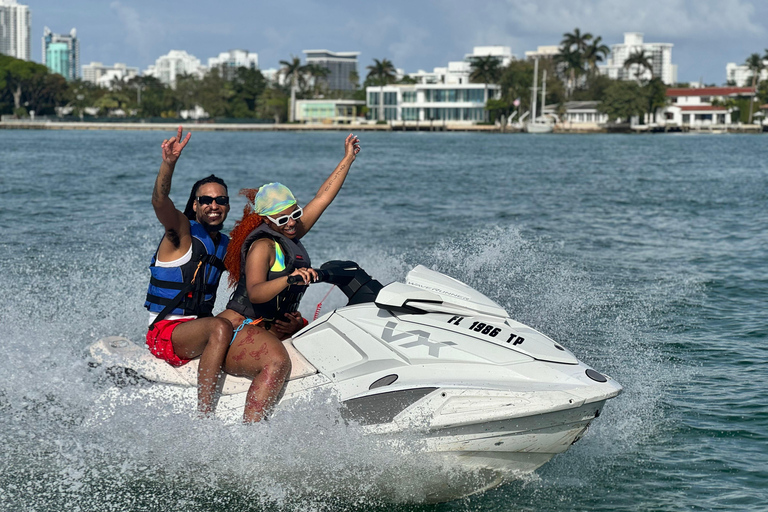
[(259, 355), (208, 338)]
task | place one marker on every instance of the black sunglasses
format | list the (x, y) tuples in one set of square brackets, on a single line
[(220, 200)]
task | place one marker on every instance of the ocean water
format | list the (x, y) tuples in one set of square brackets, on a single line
[(644, 255)]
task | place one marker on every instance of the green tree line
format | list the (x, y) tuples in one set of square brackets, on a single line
[(27, 87)]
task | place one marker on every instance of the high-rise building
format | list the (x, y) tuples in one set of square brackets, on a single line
[(174, 63), (342, 68), (660, 55), (61, 53), (15, 22), (228, 62)]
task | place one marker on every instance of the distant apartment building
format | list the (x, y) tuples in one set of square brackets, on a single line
[(103, 76), (502, 53), (15, 23), (342, 68), (61, 53), (176, 62), (457, 72), (228, 62), (543, 52), (740, 75), (659, 53)]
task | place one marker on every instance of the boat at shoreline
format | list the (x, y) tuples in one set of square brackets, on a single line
[(540, 124), (431, 357)]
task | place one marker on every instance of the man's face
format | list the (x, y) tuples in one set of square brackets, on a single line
[(212, 214)]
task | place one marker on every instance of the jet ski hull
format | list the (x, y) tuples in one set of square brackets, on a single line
[(431, 359)]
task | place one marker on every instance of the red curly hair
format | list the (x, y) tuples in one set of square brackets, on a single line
[(243, 227)]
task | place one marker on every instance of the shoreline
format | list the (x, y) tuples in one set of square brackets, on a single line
[(253, 127), (423, 127)]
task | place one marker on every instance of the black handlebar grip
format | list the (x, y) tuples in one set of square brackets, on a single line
[(322, 275)]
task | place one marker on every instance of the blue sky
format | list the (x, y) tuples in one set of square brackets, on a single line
[(413, 34)]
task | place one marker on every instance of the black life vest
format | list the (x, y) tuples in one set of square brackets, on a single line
[(287, 300), (199, 276)]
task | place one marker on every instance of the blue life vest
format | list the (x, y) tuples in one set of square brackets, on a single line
[(200, 276)]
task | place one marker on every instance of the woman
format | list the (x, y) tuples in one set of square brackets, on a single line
[(265, 249)]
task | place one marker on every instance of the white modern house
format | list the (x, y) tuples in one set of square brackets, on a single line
[(659, 53), (175, 63), (443, 95), (702, 107), (101, 75), (456, 103)]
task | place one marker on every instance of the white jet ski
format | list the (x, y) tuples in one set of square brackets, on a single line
[(431, 356)]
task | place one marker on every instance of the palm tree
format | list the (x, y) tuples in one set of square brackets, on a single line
[(573, 51), (570, 62), (292, 70), (382, 72), (318, 74), (756, 65), (484, 70), (576, 40), (596, 52), (642, 60)]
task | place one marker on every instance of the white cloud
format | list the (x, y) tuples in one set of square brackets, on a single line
[(670, 19), (140, 34)]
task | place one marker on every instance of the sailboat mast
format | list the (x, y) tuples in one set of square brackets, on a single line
[(543, 90), (535, 76)]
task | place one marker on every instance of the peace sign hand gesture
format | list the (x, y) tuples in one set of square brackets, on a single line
[(172, 147)]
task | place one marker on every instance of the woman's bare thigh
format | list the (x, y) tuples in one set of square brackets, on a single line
[(254, 348)]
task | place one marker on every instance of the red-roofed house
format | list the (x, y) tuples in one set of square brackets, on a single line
[(702, 107)]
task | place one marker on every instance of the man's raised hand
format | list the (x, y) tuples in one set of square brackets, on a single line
[(172, 147)]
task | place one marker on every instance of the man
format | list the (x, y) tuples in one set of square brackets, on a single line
[(186, 269)]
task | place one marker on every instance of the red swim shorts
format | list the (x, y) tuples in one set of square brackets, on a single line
[(159, 341)]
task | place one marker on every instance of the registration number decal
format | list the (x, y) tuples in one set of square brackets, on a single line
[(487, 329)]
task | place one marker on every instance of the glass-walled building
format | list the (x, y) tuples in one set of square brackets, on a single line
[(341, 66), (430, 102), (327, 111), (57, 59), (61, 53)]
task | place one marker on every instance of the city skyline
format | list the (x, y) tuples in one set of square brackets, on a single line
[(706, 34)]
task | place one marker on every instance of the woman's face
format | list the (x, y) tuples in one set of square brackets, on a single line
[(287, 228)]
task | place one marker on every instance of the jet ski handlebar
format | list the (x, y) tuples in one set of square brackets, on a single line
[(322, 276), (352, 280)]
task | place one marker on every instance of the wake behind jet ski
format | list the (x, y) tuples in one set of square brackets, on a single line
[(430, 356)]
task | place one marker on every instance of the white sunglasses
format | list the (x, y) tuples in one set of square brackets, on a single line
[(283, 219)]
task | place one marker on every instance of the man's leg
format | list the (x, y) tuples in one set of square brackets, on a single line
[(208, 338), (259, 355)]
